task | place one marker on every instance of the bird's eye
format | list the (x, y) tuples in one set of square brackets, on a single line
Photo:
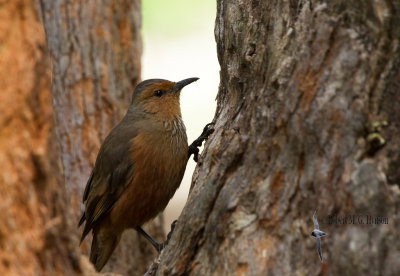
[(158, 93)]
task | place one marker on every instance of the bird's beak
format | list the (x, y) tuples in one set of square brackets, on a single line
[(181, 84)]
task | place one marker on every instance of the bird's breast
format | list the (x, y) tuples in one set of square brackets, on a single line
[(159, 160)]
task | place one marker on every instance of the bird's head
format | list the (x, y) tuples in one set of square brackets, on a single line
[(160, 97)]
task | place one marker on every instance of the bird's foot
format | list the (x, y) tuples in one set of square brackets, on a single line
[(173, 224), (194, 147), (158, 246), (164, 244)]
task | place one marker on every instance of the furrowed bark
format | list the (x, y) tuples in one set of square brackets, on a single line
[(95, 49), (308, 118), (33, 220)]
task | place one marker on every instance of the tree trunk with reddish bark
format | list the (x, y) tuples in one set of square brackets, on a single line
[(68, 69), (32, 241), (308, 118)]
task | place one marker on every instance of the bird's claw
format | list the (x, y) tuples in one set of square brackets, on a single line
[(194, 147), (173, 224), (161, 246), (207, 130)]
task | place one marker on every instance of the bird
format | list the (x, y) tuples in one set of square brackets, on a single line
[(138, 168), (317, 234)]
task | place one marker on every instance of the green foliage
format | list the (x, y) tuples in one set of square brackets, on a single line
[(175, 17)]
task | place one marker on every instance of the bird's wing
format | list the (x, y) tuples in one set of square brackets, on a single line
[(109, 178), (315, 220), (319, 248)]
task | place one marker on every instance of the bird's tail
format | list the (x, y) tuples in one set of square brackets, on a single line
[(103, 245)]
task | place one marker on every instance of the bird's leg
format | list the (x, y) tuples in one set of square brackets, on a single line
[(194, 147), (157, 246)]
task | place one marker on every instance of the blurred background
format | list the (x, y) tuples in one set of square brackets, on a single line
[(178, 43)]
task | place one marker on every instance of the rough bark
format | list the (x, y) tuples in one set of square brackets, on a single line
[(32, 237), (95, 48), (58, 100), (308, 118)]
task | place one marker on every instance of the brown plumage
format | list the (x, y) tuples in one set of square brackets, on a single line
[(138, 168)]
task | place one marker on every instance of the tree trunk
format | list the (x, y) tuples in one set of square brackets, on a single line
[(308, 118), (55, 110), (32, 240), (95, 48)]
